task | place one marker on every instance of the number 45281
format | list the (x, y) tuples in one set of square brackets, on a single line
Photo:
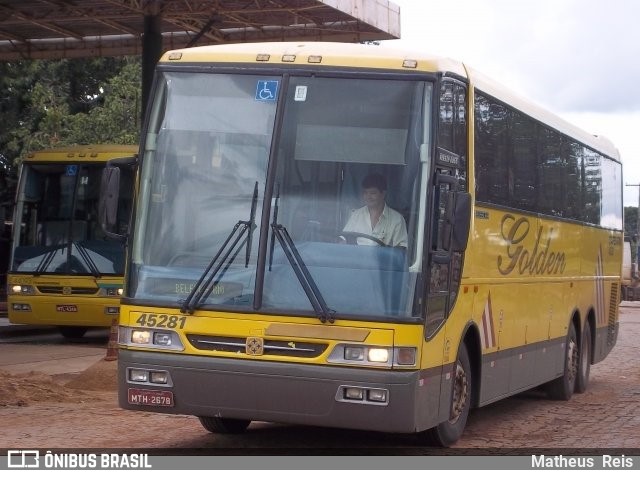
[(161, 321)]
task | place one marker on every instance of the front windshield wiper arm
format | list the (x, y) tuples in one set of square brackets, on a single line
[(93, 268), (252, 218), (302, 272), (205, 284), (47, 259)]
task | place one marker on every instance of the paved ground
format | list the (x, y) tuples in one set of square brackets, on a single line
[(28, 348), (81, 411)]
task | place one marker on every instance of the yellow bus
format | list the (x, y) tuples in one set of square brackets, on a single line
[(354, 236), (64, 269)]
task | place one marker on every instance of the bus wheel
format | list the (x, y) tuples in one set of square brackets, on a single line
[(584, 362), (224, 425), (449, 432), (73, 333), (562, 387)]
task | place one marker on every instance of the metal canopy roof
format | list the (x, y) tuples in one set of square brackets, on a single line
[(31, 29)]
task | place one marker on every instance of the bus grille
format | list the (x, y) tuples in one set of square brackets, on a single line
[(271, 347), (72, 291)]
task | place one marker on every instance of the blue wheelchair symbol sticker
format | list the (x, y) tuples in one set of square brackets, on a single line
[(267, 90), (72, 170)]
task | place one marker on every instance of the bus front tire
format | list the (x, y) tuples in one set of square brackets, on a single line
[(224, 425), (584, 362), (449, 432), (562, 388)]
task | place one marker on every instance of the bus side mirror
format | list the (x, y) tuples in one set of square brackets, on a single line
[(109, 199), (457, 221), (108, 203)]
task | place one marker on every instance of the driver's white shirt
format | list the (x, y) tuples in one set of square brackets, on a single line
[(391, 228)]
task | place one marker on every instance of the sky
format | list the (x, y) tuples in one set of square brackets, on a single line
[(579, 59)]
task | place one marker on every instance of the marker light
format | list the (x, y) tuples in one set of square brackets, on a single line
[(405, 356)]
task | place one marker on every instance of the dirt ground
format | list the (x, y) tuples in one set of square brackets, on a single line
[(21, 390)]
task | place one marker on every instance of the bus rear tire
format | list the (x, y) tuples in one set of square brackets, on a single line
[(584, 361), (562, 388), (449, 432), (224, 425), (72, 333)]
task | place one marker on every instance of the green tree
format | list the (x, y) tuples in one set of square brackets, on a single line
[(117, 118), (631, 229), (47, 103), (630, 222)]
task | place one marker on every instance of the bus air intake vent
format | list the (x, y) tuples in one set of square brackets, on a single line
[(613, 311), (271, 347), (70, 291)]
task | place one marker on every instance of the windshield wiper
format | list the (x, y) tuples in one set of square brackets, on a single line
[(47, 259), (93, 268), (302, 272), (233, 244)]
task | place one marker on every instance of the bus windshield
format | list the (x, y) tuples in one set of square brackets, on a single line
[(343, 232), (58, 219)]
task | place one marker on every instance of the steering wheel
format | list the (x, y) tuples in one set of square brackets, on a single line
[(352, 237)]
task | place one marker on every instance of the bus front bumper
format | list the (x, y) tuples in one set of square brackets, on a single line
[(63, 311), (283, 392)]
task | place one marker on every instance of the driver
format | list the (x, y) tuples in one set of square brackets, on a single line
[(376, 218)]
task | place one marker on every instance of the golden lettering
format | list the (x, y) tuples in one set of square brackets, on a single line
[(541, 260)]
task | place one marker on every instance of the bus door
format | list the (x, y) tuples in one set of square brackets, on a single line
[(449, 184)]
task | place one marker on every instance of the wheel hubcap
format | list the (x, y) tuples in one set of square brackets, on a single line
[(460, 393), (572, 355)]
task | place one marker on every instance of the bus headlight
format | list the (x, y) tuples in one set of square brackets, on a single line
[(366, 355), (141, 337), (162, 338), (112, 291), (22, 289), (149, 338), (353, 353), (378, 355)]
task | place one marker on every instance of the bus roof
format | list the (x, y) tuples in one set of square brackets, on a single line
[(83, 153), (377, 57), (315, 54)]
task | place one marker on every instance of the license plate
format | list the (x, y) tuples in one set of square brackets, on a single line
[(152, 398), (66, 308)]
